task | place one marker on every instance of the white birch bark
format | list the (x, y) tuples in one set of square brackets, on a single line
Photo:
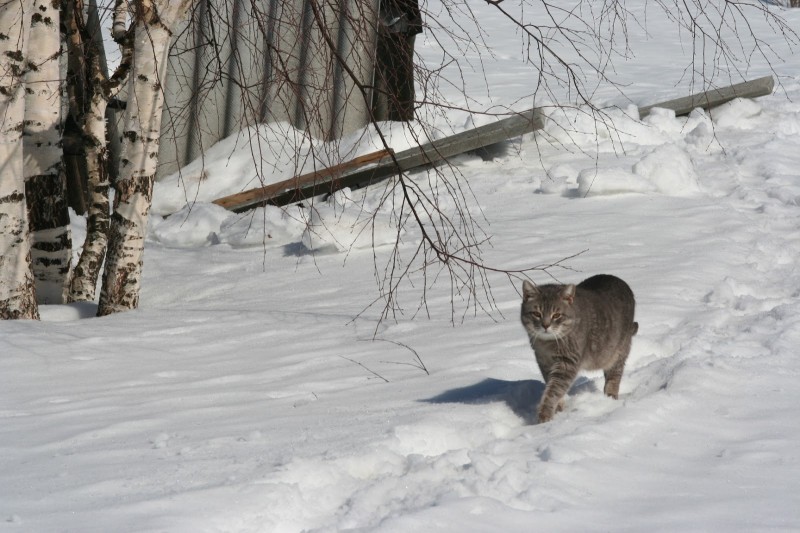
[(51, 242), (83, 284), (120, 26), (17, 293), (154, 23), (99, 89)]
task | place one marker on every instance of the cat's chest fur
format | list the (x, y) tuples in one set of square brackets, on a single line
[(590, 342)]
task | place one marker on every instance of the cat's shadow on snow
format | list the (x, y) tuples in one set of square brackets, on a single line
[(522, 397)]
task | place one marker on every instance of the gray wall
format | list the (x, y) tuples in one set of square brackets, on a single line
[(278, 64)]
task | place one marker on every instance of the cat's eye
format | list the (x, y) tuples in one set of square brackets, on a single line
[(556, 316), (536, 314)]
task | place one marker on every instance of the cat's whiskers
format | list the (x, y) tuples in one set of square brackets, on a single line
[(548, 335), (557, 337)]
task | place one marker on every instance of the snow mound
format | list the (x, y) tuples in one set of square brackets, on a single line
[(670, 170), (606, 181), (739, 113), (559, 178), (398, 135), (345, 222), (194, 225), (667, 170), (608, 129), (264, 226), (696, 130), (702, 139)]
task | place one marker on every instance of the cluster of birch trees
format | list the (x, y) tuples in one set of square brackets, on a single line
[(35, 242)]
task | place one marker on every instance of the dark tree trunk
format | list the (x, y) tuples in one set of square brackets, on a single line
[(394, 69)]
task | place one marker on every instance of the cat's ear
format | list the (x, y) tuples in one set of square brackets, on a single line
[(529, 290), (568, 294)]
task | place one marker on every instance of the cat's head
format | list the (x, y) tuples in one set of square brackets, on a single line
[(548, 311)]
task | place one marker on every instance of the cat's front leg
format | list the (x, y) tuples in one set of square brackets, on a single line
[(558, 381)]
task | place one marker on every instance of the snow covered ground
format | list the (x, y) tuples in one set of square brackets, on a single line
[(249, 393)]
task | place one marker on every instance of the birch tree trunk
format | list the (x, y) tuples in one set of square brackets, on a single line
[(17, 291), (154, 22), (99, 88), (45, 183), (84, 279)]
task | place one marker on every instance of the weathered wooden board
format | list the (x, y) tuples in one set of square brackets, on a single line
[(447, 147), (355, 174), (299, 187), (715, 97), (389, 164)]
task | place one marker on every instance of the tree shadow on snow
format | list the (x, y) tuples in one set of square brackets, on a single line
[(522, 397)]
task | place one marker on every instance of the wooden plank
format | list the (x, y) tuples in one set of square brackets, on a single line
[(480, 137), (715, 97), (390, 164), (442, 149), (299, 187)]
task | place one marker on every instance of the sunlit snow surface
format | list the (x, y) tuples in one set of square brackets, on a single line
[(247, 393)]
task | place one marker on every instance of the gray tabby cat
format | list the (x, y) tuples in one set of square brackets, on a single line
[(570, 327)]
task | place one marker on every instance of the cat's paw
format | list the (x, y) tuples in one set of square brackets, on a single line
[(544, 415)]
